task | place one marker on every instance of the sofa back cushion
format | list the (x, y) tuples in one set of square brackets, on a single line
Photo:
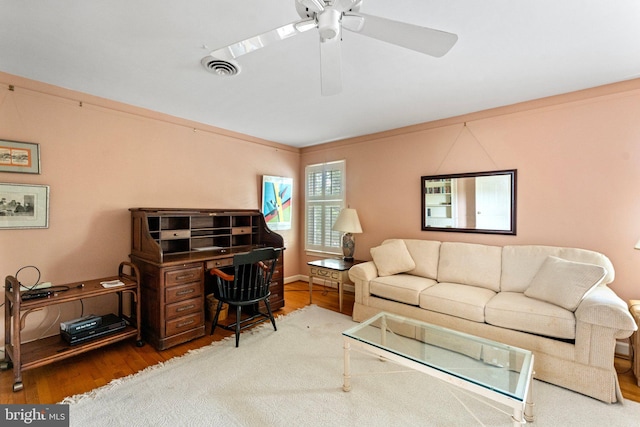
[(470, 264), (425, 254), (520, 263)]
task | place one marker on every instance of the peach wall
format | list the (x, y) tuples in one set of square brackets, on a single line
[(102, 158), (578, 162)]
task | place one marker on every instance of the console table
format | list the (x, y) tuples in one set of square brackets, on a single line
[(331, 269), (22, 356), (174, 249)]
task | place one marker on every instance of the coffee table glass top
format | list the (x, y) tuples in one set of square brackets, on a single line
[(489, 364)]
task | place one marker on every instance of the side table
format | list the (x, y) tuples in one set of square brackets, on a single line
[(331, 269)]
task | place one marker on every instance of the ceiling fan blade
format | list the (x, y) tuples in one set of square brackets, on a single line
[(262, 40), (330, 67), (352, 22), (421, 39), (313, 5), (344, 5), (306, 25)]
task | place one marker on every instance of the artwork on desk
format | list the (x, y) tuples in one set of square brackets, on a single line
[(19, 157), (24, 206), (276, 201)]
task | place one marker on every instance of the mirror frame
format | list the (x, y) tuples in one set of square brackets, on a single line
[(512, 173)]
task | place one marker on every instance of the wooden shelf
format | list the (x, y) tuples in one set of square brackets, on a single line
[(51, 349)]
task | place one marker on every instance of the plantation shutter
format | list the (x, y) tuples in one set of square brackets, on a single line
[(325, 197)]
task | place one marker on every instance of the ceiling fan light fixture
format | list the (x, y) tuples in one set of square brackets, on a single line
[(220, 67), (329, 24)]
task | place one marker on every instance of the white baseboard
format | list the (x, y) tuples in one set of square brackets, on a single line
[(299, 277)]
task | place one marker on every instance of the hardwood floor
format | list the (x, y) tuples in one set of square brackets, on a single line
[(80, 374)]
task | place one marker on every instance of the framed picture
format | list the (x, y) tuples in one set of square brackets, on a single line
[(276, 201), (24, 206), (21, 157)]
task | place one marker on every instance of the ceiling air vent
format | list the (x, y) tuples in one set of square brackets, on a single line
[(220, 66)]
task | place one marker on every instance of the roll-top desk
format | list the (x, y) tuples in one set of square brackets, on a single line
[(174, 249)]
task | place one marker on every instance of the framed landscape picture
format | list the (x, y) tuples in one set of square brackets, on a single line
[(276, 201), (21, 157), (24, 206)]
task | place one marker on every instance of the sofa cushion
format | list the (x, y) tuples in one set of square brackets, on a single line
[(392, 258), (470, 264), (564, 283), (425, 254), (456, 300), (520, 263), (514, 310), (403, 288)]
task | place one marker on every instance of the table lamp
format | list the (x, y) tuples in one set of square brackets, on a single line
[(348, 223)]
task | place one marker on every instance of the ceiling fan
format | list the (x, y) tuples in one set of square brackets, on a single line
[(330, 17)]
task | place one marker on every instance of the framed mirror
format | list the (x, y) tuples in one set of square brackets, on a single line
[(479, 202)]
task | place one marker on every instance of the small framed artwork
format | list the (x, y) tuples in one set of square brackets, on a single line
[(21, 157), (276, 201), (24, 206)]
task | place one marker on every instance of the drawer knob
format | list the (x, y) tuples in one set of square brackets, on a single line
[(186, 307), (185, 291)]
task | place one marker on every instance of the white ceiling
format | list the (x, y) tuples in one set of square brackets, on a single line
[(147, 53)]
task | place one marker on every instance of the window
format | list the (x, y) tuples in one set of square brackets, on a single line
[(324, 198)]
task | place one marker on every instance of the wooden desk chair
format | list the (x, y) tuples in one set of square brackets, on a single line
[(248, 285)]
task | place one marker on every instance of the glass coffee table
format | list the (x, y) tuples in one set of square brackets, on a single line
[(496, 371)]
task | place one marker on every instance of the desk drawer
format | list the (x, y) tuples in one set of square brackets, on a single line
[(241, 230), (327, 274), (277, 272), (217, 263), (183, 292), (175, 234), (184, 275), (182, 308), (184, 323)]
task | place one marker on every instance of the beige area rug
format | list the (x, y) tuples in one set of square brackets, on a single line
[(293, 377)]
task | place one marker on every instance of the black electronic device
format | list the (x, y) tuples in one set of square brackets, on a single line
[(82, 324), (109, 324), (36, 294)]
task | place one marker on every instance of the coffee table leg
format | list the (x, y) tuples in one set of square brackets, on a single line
[(346, 386), (518, 420), (528, 407), (523, 416)]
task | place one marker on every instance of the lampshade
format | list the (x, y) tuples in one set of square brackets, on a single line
[(347, 222), (637, 246)]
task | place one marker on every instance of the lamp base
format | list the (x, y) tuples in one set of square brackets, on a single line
[(348, 246)]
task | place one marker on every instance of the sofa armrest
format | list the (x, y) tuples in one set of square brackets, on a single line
[(364, 271), (361, 274), (603, 307)]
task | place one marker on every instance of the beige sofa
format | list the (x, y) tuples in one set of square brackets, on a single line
[(550, 300)]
